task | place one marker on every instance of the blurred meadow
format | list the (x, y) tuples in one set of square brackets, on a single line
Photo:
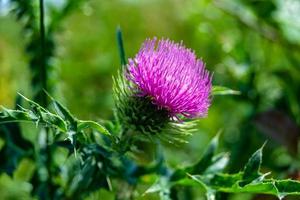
[(252, 46)]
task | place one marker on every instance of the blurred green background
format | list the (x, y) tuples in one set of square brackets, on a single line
[(249, 45)]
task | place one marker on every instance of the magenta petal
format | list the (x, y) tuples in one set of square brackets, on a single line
[(173, 77)]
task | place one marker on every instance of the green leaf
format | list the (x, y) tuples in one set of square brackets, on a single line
[(221, 90), (25, 170), (33, 104), (219, 162), (14, 189), (9, 115), (13, 146), (206, 159), (38, 116), (63, 112), (251, 171), (162, 186), (2, 143), (207, 164), (93, 125), (248, 181), (229, 183), (54, 120)]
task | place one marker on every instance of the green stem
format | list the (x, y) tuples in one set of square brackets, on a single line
[(43, 97), (43, 74)]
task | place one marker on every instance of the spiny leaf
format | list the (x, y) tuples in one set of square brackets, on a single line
[(219, 162), (206, 159), (221, 90), (33, 104), (63, 120), (229, 183), (207, 164), (9, 115), (52, 119), (63, 112), (46, 118), (252, 167), (248, 181)]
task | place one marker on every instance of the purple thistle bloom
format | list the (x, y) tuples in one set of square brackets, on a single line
[(172, 76)]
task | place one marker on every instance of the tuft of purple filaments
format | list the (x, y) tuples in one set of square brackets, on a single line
[(173, 77)]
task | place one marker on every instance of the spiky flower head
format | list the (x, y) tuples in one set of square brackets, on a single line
[(163, 83), (172, 77)]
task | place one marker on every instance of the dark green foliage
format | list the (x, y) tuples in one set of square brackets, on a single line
[(250, 180), (26, 10), (92, 163), (16, 146), (36, 47), (92, 173), (230, 184), (61, 119), (60, 122), (247, 44), (41, 46)]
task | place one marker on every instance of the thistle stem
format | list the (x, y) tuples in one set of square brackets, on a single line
[(43, 97), (43, 74)]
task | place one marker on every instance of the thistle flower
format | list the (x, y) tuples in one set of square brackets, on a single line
[(172, 77), (163, 83)]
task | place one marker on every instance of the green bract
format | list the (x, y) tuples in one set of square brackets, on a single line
[(139, 116)]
